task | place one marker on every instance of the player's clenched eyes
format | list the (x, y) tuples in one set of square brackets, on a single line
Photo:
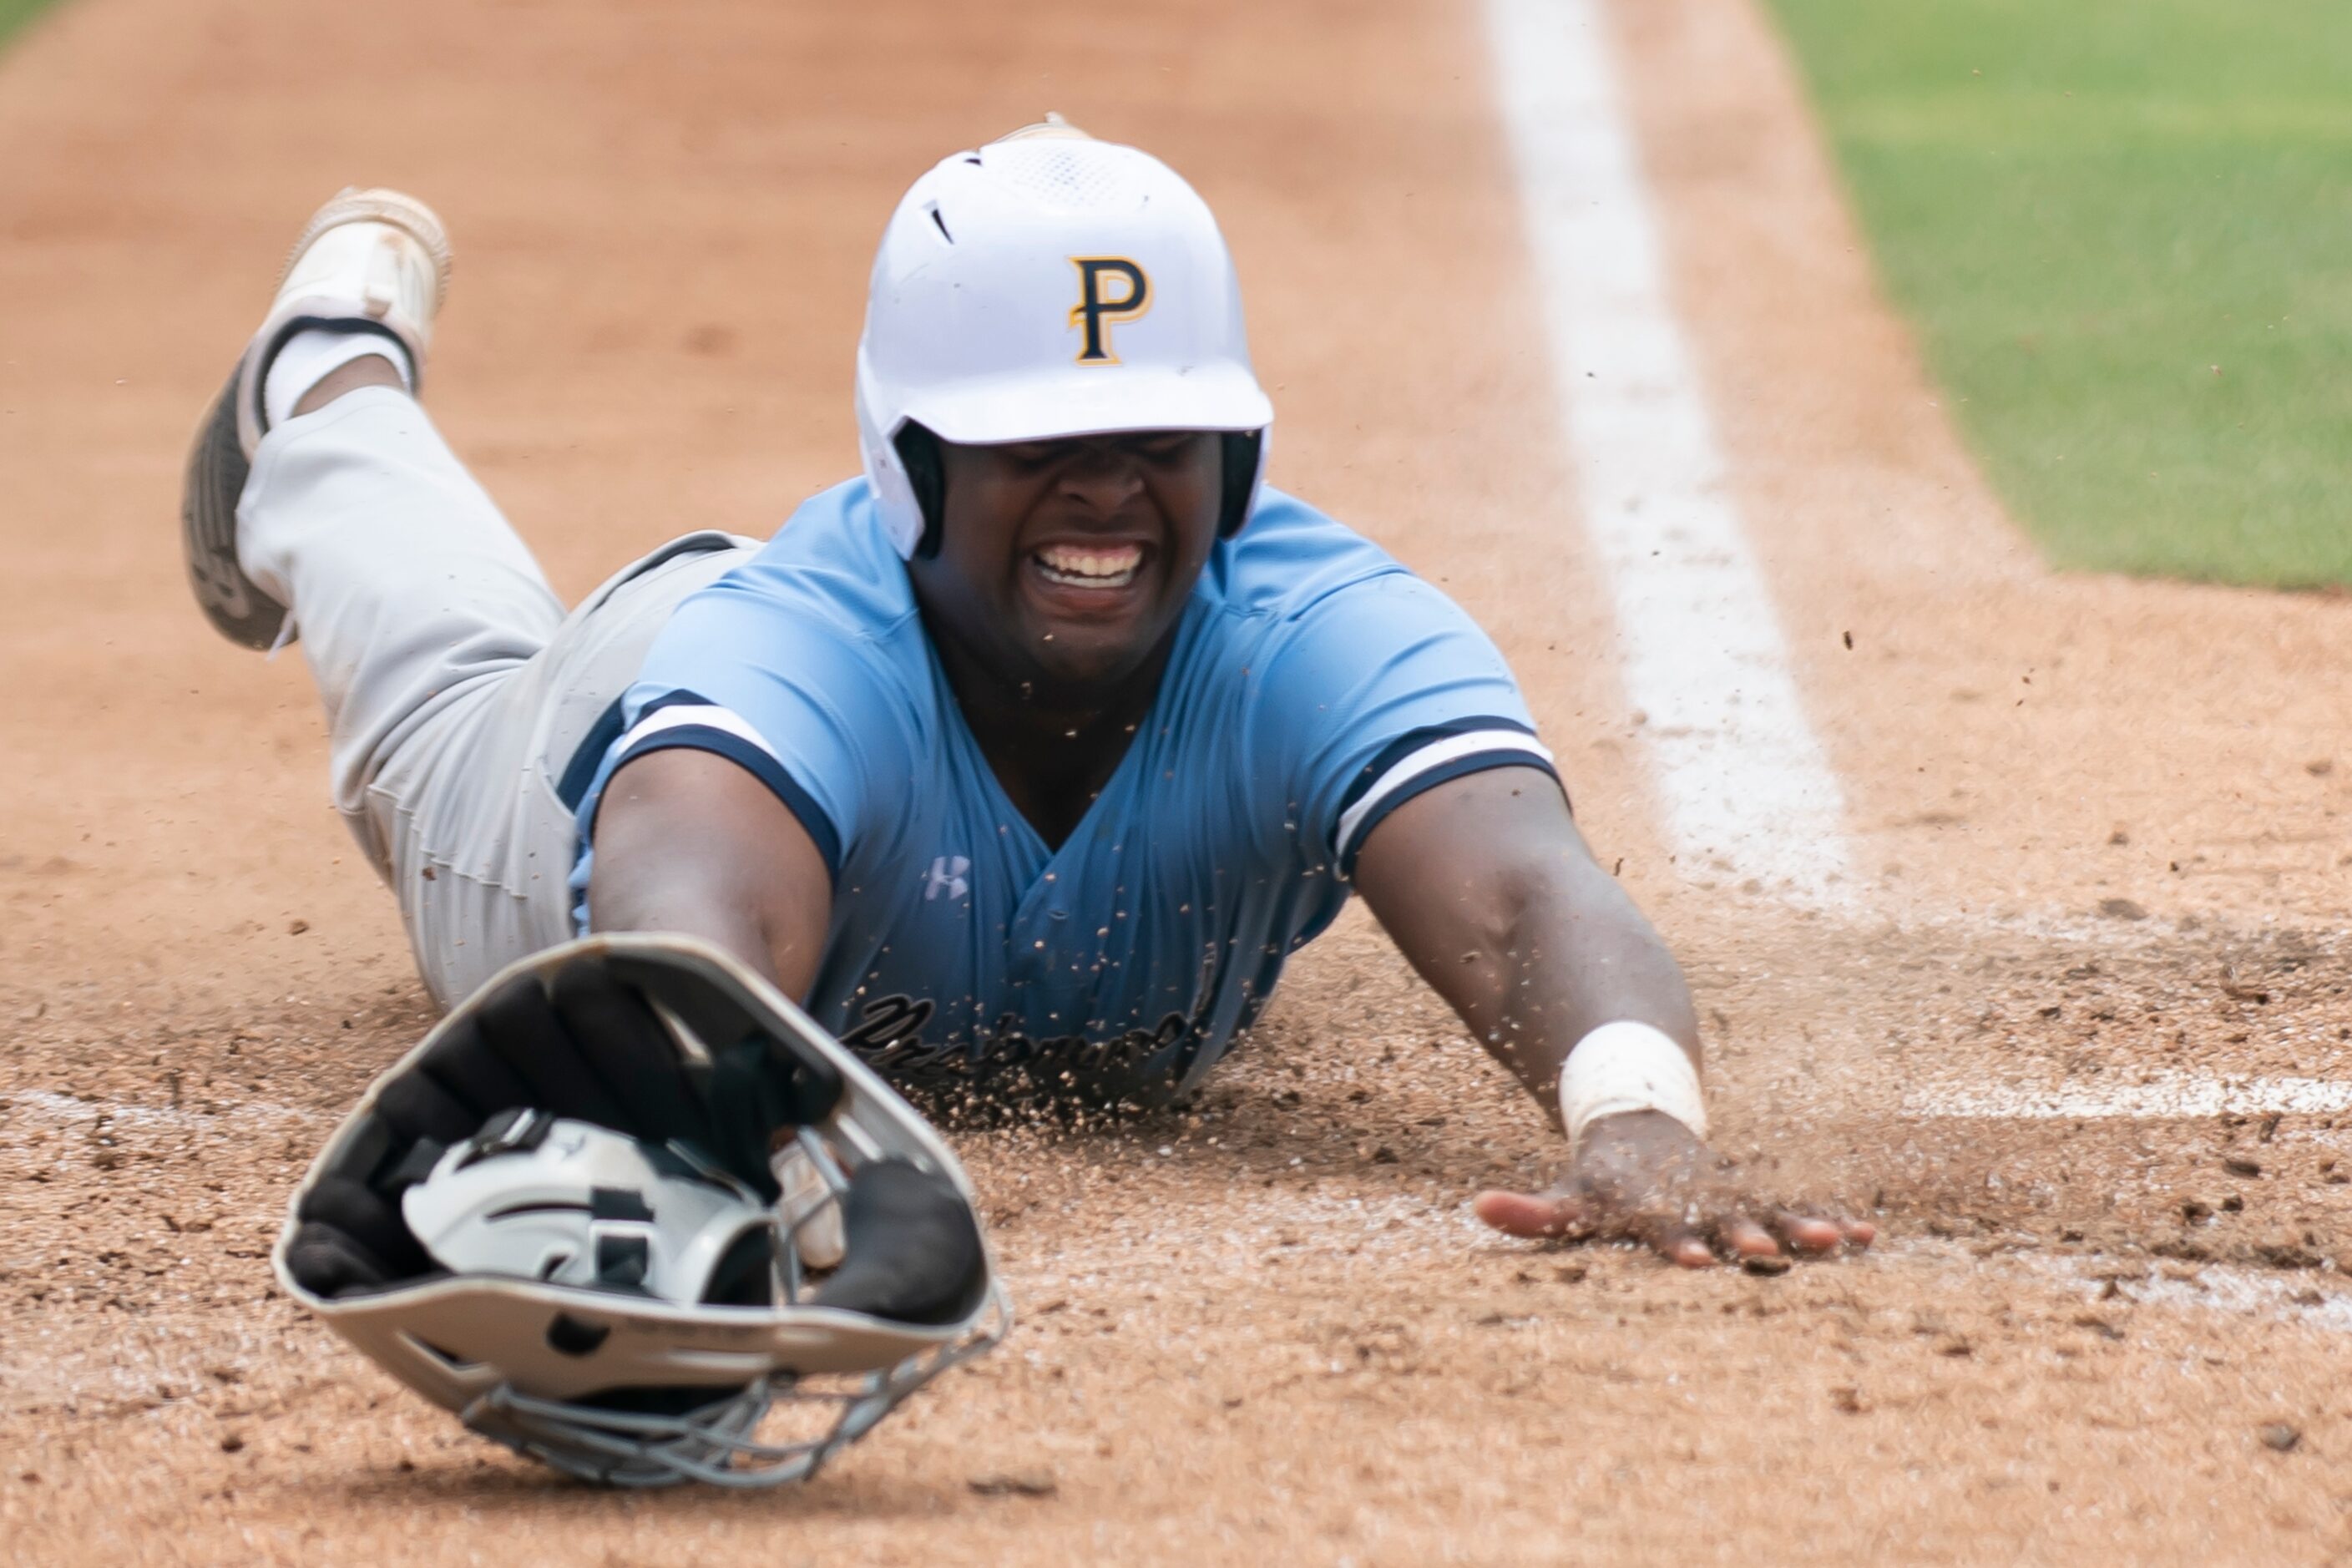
[(1165, 448)]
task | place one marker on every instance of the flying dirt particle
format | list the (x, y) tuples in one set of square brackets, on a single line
[(2099, 1326), (2121, 910), (295, 928), (2319, 768), (2239, 1166), (2279, 1438), (1014, 1483), (1849, 642), (1848, 1399), (2235, 992), (231, 1442), (1770, 1264), (2121, 835)]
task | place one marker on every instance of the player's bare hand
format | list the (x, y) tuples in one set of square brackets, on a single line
[(1644, 1177)]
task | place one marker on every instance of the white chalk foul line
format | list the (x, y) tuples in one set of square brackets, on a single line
[(48, 1105), (1745, 782), (2176, 1094)]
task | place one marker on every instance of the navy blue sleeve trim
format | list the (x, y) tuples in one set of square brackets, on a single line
[(760, 764), (1406, 744), (1445, 773), (589, 755), (610, 725)]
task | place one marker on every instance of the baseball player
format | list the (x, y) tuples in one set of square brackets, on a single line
[(1026, 759)]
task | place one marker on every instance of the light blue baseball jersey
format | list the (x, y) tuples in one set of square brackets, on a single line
[(1315, 685)]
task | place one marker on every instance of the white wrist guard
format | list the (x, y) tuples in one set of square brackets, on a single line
[(1624, 1067)]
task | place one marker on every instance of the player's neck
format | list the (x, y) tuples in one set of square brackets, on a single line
[(1052, 752)]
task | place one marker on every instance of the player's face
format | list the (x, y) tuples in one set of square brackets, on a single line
[(1063, 564)]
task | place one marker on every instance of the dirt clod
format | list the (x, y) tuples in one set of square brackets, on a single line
[(2280, 1437), (1014, 1483), (1770, 1263)]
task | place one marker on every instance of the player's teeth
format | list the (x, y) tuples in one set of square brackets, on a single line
[(1107, 568)]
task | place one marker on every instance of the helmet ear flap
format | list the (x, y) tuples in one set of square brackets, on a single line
[(1242, 450), (927, 475)]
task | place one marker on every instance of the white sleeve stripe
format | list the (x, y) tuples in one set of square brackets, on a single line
[(707, 716), (1435, 754)]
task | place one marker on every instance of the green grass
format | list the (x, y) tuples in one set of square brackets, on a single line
[(2123, 230), (15, 14)]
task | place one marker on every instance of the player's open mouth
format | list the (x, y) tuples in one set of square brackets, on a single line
[(1090, 565)]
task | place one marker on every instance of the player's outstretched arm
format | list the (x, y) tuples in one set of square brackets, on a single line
[(1489, 889), (687, 841)]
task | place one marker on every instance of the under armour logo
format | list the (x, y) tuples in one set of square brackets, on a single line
[(946, 879)]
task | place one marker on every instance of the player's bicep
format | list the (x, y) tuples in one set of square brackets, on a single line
[(1463, 858), (689, 841)]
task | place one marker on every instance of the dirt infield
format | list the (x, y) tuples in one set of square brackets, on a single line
[(2100, 846)]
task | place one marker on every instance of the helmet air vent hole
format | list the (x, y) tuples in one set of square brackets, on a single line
[(569, 1336), (555, 1265), (941, 224)]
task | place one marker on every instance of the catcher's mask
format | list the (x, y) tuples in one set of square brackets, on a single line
[(629, 1311)]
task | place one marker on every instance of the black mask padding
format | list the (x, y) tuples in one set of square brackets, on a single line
[(912, 1249), (624, 1045), (1241, 450), (327, 1262), (745, 1274), (927, 475), (758, 1083)]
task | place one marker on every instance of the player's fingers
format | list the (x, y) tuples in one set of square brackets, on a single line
[(1858, 1233), (1807, 1233), (1680, 1245), (1532, 1213), (1743, 1238)]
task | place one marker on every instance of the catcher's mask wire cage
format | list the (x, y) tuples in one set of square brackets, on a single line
[(632, 1391)]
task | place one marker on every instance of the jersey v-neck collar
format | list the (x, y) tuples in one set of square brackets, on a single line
[(1039, 857)]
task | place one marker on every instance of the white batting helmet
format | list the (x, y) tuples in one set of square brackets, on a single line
[(1043, 286)]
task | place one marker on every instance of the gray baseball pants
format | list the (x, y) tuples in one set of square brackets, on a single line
[(458, 692)]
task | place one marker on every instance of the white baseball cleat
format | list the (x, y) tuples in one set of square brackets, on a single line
[(369, 262)]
